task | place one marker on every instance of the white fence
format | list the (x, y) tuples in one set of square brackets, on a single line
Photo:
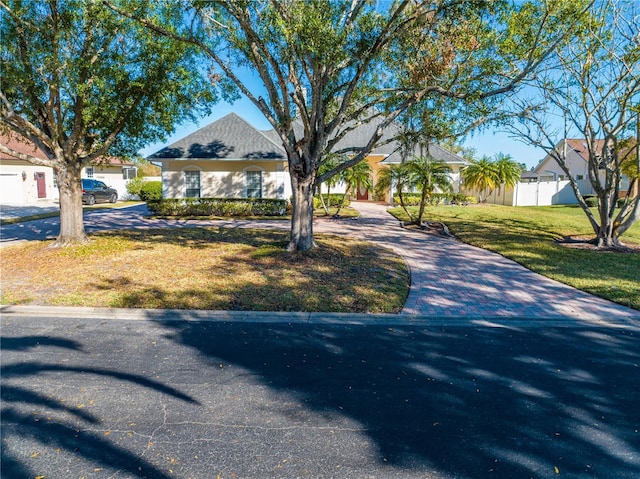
[(542, 193)]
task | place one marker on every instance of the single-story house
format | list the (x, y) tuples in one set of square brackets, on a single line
[(23, 182), (577, 159), (230, 158), (548, 184)]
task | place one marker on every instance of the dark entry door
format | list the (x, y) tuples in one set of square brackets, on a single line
[(362, 193), (42, 185)]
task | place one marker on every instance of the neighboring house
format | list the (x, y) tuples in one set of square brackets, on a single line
[(577, 159), (230, 158), (23, 182), (548, 184)]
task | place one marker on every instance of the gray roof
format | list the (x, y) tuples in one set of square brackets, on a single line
[(232, 138), (435, 151), (229, 138)]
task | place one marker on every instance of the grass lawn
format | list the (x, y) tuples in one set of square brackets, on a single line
[(206, 268), (528, 236)]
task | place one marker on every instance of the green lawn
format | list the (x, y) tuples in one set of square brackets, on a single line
[(528, 236), (206, 268)]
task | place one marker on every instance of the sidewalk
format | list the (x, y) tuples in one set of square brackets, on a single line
[(21, 210)]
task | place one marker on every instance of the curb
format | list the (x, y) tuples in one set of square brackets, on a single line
[(265, 317)]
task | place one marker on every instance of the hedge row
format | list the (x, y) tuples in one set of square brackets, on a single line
[(218, 207), (413, 199), (332, 200)]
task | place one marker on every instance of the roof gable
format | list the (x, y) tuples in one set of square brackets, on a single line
[(22, 145), (229, 138)]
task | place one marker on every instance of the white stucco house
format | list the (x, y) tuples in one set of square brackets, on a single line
[(22, 182), (229, 158)]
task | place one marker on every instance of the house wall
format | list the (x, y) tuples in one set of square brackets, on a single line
[(577, 166), (14, 189), (112, 176), (225, 179), (18, 188)]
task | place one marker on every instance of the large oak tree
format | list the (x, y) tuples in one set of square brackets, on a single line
[(327, 68), (81, 82)]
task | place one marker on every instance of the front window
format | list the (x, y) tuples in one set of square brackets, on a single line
[(192, 184), (253, 183), (129, 173)]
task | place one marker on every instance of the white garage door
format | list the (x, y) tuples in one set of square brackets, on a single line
[(10, 191)]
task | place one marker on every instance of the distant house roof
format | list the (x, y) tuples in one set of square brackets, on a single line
[(19, 145), (229, 138), (22, 145), (580, 146)]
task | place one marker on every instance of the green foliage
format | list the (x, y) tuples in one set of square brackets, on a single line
[(134, 186), (413, 199), (591, 200), (150, 190), (486, 174), (330, 200), (83, 82), (218, 207), (354, 177)]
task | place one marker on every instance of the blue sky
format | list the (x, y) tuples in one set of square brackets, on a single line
[(486, 143)]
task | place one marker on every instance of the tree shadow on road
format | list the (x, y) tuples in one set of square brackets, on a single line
[(35, 418), (466, 402)]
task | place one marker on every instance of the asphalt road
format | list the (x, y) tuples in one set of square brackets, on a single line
[(96, 397)]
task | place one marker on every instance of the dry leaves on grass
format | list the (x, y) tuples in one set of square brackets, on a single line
[(207, 268)]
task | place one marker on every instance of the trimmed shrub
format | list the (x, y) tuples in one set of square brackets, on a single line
[(151, 190), (218, 207), (332, 200), (134, 186), (410, 199), (591, 200)]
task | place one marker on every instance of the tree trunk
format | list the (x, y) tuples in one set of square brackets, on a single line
[(423, 200), (71, 220), (606, 237), (301, 238)]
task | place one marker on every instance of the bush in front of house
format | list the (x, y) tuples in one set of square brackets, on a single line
[(413, 199), (332, 200), (151, 190), (134, 186), (591, 200), (217, 207)]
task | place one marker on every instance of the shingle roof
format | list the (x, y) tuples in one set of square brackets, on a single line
[(232, 138), (229, 138), (22, 145), (580, 147)]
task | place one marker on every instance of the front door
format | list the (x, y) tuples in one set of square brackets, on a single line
[(362, 193), (41, 184)]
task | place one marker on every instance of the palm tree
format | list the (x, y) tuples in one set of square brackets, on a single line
[(429, 175), (395, 175), (507, 169), (327, 165), (481, 175), (358, 174)]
